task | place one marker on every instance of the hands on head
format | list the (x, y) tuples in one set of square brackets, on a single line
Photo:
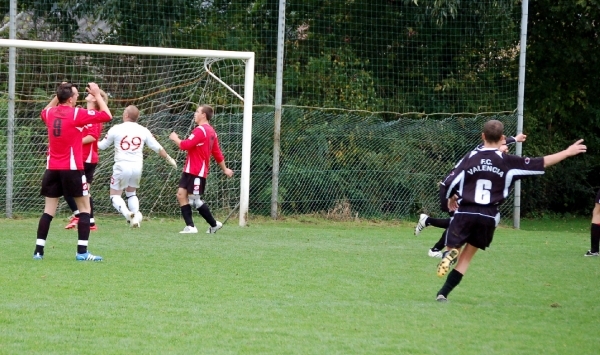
[(93, 89)]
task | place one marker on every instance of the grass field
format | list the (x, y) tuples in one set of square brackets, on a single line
[(298, 286)]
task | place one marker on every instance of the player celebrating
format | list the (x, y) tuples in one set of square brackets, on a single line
[(200, 146), (482, 181), (424, 220), (64, 170), (91, 135), (129, 139)]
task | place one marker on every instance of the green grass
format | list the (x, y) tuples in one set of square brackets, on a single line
[(302, 286)]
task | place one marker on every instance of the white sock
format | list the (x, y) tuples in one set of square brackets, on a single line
[(132, 201), (119, 204)]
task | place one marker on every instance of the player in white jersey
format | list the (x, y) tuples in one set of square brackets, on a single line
[(129, 139)]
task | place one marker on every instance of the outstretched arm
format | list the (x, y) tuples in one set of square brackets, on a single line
[(574, 149), (163, 154)]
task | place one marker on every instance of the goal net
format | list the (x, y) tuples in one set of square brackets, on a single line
[(165, 84)]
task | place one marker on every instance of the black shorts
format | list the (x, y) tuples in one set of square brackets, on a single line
[(57, 183), (473, 225), (192, 183), (89, 170)]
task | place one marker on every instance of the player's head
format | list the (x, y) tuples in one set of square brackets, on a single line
[(67, 94), (203, 111), (131, 114), (493, 131), (93, 103)]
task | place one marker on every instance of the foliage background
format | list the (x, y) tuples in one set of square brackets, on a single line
[(351, 66)]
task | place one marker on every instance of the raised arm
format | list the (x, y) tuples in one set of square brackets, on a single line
[(94, 90), (574, 149)]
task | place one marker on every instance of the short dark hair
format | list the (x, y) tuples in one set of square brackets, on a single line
[(64, 92), (493, 130), (208, 111)]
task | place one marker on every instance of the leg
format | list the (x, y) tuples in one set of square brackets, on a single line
[(436, 250), (119, 204), (92, 220), (83, 230), (132, 200), (75, 216), (51, 203), (186, 211), (455, 276), (595, 232), (208, 217), (134, 206)]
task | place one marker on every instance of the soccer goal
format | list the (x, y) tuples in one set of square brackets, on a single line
[(166, 84)]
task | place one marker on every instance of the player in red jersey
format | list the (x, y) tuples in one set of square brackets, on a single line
[(91, 135), (64, 170), (200, 146)]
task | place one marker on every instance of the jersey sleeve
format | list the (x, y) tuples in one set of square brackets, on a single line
[(151, 142), (44, 114), (523, 166), (94, 130), (108, 140), (197, 137), (216, 151), (510, 141), (85, 116)]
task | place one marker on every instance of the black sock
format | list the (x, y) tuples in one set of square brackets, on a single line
[(71, 202), (595, 237), (442, 242), (437, 222), (453, 279), (92, 211), (83, 232), (186, 212), (42, 232), (205, 213)]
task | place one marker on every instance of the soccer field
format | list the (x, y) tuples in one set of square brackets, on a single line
[(301, 286)]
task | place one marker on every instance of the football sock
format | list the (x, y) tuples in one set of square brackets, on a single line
[(437, 222), (132, 201), (119, 205), (186, 212), (453, 279), (72, 205), (595, 238), (442, 242), (83, 232), (208, 217), (92, 221), (42, 233)]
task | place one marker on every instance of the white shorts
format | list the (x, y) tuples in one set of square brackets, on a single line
[(126, 174)]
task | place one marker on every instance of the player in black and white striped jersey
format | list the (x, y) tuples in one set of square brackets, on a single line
[(425, 221), (482, 181)]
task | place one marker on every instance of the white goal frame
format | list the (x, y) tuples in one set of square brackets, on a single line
[(248, 57)]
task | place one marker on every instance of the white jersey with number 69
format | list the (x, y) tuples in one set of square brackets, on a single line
[(129, 139)]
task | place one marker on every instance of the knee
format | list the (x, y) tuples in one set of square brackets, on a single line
[(181, 196)]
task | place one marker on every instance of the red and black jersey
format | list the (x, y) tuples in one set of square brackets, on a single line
[(200, 146), (90, 150), (65, 125)]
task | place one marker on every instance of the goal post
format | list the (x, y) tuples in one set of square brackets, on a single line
[(166, 82)]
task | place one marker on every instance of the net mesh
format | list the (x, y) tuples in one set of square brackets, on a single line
[(165, 89), (380, 98)]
